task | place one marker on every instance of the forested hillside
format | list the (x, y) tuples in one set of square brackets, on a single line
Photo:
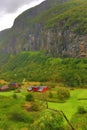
[(57, 26), (38, 66), (34, 48)]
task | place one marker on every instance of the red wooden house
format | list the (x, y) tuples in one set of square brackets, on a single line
[(13, 85), (33, 88), (37, 88), (43, 89), (4, 88), (10, 86)]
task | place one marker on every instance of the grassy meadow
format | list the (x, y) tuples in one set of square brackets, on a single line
[(15, 112), (70, 106)]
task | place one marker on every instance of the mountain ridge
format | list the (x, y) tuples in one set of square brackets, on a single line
[(49, 27)]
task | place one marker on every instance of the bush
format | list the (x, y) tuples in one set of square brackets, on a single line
[(15, 96), (7, 125), (79, 121), (29, 97), (35, 106), (50, 95), (63, 93), (17, 90), (20, 116), (81, 110), (49, 120)]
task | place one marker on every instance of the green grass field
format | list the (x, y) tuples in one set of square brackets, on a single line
[(14, 115), (71, 105)]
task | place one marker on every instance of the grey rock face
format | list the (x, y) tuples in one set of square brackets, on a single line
[(33, 37)]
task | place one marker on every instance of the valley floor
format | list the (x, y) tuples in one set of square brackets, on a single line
[(8, 103)]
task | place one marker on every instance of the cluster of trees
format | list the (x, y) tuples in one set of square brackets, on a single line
[(38, 66)]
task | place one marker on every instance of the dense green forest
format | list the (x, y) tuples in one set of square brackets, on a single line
[(40, 66)]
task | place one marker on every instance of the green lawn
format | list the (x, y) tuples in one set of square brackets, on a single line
[(8, 93), (13, 116), (71, 105), (12, 92)]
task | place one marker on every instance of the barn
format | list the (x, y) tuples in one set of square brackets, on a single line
[(43, 89), (33, 88), (4, 88), (37, 88), (13, 85)]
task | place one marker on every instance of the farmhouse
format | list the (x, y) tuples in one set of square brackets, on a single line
[(37, 88), (10, 86), (13, 85), (4, 88), (43, 89)]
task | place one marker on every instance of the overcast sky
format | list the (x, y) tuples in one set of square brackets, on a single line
[(10, 9)]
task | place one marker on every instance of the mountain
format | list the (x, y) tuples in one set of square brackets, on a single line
[(58, 27)]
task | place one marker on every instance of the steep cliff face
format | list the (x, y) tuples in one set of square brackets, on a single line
[(57, 29)]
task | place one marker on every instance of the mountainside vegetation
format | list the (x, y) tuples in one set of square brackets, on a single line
[(33, 48), (45, 49), (42, 67), (58, 27), (71, 15)]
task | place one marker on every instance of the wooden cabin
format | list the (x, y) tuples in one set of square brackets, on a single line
[(37, 88), (4, 88), (13, 85)]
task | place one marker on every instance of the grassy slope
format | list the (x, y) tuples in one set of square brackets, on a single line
[(12, 115), (70, 107), (68, 15), (60, 16), (4, 57)]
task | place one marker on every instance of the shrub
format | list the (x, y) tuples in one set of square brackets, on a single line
[(79, 121), (7, 125), (63, 93), (29, 97), (81, 110), (20, 116), (17, 90), (49, 120), (35, 106), (15, 96), (50, 95)]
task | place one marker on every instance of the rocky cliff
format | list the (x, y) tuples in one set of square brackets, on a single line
[(58, 27)]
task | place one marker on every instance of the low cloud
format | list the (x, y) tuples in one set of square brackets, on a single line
[(10, 9), (10, 6)]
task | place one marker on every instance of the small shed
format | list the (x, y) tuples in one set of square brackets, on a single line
[(33, 88), (13, 85), (37, 88), (43, 89), (4, 88)]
